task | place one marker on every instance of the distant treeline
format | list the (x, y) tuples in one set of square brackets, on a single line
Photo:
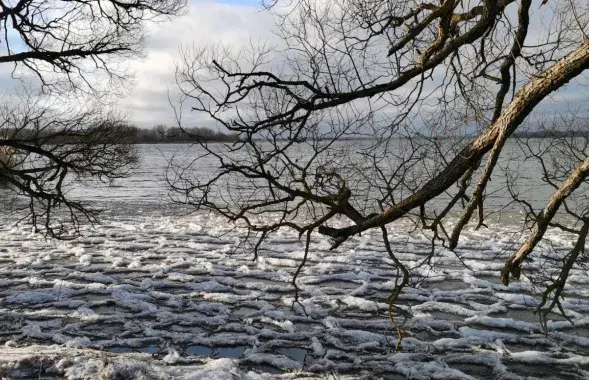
[(551, 134), (161, 134), (108, 133)]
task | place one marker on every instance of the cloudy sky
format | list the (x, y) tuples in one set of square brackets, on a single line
[(233, 22), (236, 22), (206, 22)]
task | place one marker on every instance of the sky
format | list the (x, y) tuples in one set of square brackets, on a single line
[(232, 22), (206, 22), (144, 101)]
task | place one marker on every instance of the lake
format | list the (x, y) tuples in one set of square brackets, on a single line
[(147, 181)]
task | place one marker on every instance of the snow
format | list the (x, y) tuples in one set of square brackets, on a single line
[(172, 357), (148, 295)]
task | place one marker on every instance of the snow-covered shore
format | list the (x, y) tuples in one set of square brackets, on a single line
[(155, 297)]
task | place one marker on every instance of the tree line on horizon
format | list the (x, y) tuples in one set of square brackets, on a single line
[(162, 134), (128, 134)]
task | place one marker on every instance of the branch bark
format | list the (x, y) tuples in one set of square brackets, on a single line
[(513, 265), (526, 99)]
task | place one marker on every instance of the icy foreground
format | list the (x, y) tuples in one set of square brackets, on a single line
[(153, 297)]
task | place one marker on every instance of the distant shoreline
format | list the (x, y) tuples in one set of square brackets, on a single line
[(540, 135)]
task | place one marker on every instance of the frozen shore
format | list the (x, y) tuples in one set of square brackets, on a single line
[(167, 297)]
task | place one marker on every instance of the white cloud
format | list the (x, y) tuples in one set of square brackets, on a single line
[(205, 23)]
